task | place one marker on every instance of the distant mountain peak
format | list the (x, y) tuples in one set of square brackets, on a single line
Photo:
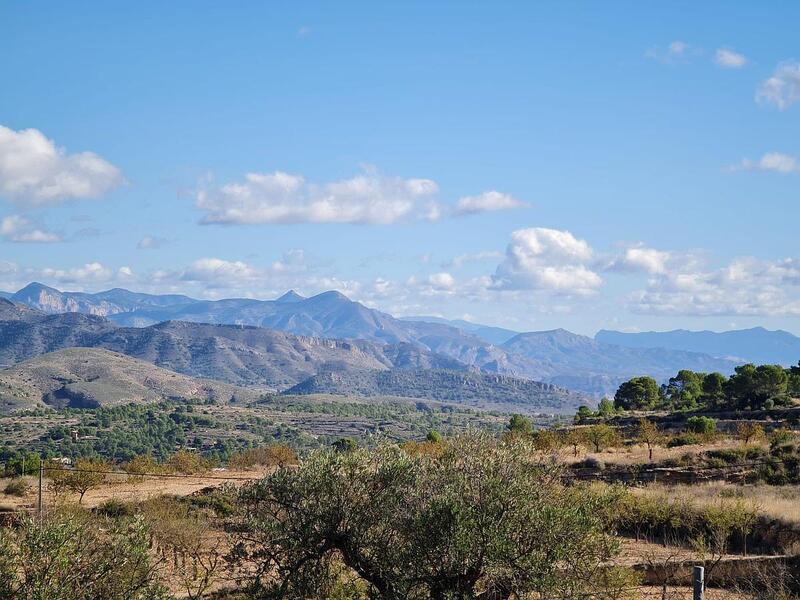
[(290, 297), (35, 287)]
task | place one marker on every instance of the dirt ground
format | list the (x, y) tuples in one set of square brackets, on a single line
[(123, 488)]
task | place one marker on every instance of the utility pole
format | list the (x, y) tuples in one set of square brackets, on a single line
[(698, 583), (39, 503)]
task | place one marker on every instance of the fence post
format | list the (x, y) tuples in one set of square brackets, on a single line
[(39, 503), (698, 583)]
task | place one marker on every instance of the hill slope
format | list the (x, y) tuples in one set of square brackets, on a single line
[(239, 355), (756, 345), (91, 377), (475, 388)]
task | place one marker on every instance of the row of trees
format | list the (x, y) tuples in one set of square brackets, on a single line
[(750, 387)]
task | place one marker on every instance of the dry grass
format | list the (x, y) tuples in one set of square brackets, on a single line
[(778, 502), (638, 454)]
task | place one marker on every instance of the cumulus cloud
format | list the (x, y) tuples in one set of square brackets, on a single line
[(220, 272), (772, 161), (94, 272), (782, 89), (486, 202), (34, 171), (284, 198), (725, 57), (546, 259), (746, 286), (16, 228), (641, 259)]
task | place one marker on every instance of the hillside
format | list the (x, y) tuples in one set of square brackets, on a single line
[(239, 355), (92, 377), (485, 390), (757, 345)]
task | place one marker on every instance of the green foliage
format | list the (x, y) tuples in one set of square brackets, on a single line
[(752, 386), (345, 445), (584, 413), (606, 408), (701, 425), (434, 437), (74, 558), (685, 390), (520, 425), (684, 439), (601, 436), (479, 515), (639, 393)]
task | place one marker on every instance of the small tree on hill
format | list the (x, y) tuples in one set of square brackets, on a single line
[(649, 435), (700, 424), (601, 436), (747, 431), (520, 425), (86, 475)]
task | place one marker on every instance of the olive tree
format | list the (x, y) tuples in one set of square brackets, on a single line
[(73, 557), (481, 519)]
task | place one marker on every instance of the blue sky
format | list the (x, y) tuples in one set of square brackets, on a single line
[(579, 165)]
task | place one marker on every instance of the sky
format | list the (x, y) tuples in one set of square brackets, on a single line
[(585, 165)]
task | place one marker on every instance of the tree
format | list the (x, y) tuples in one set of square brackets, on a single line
[(639, 393), (649, 435), (752, 386), (714, 388), (747, 431), (576, 438), (345, 444), (483, 519), (87, 474), (584, 413), (601, 436), (75, 557), (606, 408), (685, 389), (434, 437), (520, 425)]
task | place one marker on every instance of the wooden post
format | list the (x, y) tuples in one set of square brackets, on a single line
[(698, 583), (39, 502)]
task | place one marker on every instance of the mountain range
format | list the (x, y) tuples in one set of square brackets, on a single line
[(756, 345), (567, 359)]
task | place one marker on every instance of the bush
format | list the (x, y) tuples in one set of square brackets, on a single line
[(273, 455), (701, 425), (74, 557), (17, 487), (115, 508), (684, 439)]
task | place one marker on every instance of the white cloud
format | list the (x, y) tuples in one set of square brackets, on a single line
[(150, 242), (772, 161), (16, 228), (93, 272), (546, 259), (746, 286), (725, 57), (220, 272), (442, 281), (284, 198), (641, 259), (34, 171), (783, 88), (486, 202)]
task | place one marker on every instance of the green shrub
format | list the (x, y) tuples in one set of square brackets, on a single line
[(684, 439), (700, 424)]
